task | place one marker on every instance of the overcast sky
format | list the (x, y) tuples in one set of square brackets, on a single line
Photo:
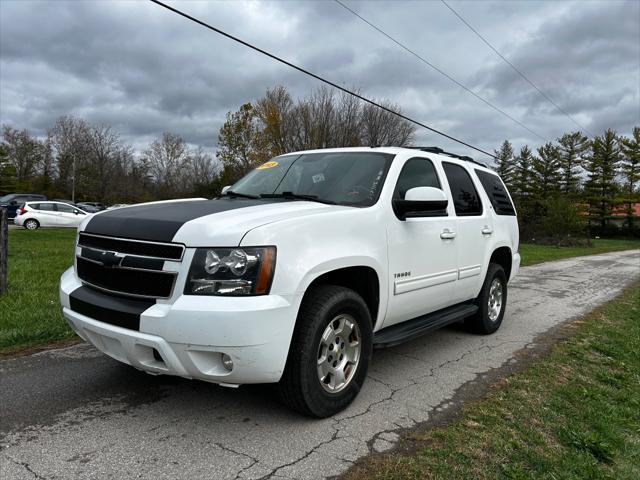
[(144, 70)]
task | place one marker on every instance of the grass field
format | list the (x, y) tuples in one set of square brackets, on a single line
[(573, 415), (532, 254), (30, 313)]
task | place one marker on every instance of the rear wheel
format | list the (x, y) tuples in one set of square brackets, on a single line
[(491, 302), (329, 353), (31, 224)]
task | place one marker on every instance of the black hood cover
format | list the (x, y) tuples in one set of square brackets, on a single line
[(161, 221)]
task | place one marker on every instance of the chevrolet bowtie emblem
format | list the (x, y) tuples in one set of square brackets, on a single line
[(111, 259)]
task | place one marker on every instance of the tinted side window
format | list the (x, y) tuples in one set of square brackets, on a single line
[(465, 196), (416, 172), (497, 193), (44, 206), (65, 208)]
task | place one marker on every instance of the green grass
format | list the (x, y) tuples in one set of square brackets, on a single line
[(573, 415), (532, 254), (30, 313)]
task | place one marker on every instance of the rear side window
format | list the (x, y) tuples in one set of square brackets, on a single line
[(465, 196), (49, 207), (497, 193), (416, 172)]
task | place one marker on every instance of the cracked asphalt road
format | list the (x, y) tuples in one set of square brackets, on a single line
[(74, 413)]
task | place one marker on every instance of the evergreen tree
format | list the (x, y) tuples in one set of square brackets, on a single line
[(504, 163), (630, 170), (572, 148), (546, 171), (602, 166), (522, 173)]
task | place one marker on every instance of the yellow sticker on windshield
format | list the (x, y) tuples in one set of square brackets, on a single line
[(268, 165)]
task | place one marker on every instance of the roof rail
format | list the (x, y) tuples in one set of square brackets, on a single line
[(440, 151)]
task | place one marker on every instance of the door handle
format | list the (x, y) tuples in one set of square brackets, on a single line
[(486, 230), (447, 234)]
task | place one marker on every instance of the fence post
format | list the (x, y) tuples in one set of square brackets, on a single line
[(4, 248)]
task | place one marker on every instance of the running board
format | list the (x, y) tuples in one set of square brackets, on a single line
[(405, 331)]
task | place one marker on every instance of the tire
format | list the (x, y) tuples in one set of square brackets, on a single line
[(302, 386), (488, 318), (31, 224)]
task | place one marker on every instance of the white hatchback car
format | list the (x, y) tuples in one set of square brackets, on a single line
[(33, 215)]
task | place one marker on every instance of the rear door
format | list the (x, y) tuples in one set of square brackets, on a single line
[(474, 230), (45, 213)]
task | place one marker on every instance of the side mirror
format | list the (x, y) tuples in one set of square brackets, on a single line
[(224, 189), (77, 212), (14, 202), (421, 202)]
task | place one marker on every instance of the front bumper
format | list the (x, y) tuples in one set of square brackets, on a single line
[(190, 335)]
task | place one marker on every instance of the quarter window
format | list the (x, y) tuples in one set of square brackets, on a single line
[(465, 196), (416, 172), (497, 193)]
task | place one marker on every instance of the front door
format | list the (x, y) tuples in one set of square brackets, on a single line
[(69, 216), (422, 252)]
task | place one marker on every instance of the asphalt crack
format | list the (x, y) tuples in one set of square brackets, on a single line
[(27, 467)]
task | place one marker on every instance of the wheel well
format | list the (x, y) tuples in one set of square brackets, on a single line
[(502, 256), (363, 280)]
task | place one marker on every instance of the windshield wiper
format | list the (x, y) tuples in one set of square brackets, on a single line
[(296, 196), (231, 193)]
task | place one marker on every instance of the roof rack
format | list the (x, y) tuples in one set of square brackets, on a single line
[(440, 151)]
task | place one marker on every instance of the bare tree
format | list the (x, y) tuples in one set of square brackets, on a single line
[(70, 138), (383, 128), (166, 160)]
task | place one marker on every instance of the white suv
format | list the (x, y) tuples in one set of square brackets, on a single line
[(298, 271), (33, 215)]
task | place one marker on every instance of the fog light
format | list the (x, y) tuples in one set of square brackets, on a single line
[(227, 362)]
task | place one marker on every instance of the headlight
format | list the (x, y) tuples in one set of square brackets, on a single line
[(231, 271)]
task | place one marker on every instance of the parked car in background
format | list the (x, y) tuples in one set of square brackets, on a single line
[(13, 201), (96, 205), (117, 205), (87, 207), (34, 215)]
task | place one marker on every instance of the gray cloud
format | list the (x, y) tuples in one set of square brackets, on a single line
[(144, 70)]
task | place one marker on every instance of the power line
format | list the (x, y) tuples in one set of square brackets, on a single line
[(461, 18), (317, 77), (440, 71)]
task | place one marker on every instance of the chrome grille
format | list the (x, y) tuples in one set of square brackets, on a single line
[(127, 267)]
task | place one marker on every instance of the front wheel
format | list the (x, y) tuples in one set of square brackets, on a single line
[(491, 302), (329, 353), (31, 224)]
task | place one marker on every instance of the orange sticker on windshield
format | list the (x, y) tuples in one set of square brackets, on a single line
[(268, 165)]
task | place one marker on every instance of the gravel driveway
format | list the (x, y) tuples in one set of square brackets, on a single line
[(74, 413)]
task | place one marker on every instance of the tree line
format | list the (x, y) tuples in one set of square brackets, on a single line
[(560, 189), (574, 184), (93, 163)]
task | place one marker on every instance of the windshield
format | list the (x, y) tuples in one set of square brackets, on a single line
[(344, 178), (6, 198)]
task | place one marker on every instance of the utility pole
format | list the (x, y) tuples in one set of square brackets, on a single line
[(4, 248), (73, 179)]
